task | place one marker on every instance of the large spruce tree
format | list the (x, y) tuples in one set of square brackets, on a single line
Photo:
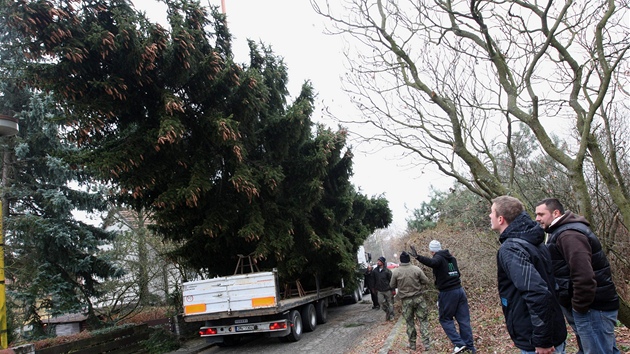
[(210, 147)]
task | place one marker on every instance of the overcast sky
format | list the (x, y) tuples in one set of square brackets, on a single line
[(296, 33)]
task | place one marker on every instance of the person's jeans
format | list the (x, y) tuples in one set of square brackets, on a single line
[(597, 331), (454, 304), (568, 314), (559, 350)]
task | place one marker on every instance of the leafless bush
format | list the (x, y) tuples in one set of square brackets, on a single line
[(475, 252)]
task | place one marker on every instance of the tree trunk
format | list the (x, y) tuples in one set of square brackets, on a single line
[(143, 272), (624, 312)]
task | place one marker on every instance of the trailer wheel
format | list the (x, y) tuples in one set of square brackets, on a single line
[(296, 326), (354, 298), (321, 311), (309, 318)]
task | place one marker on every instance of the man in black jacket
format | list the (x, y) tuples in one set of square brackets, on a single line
[(382, 277), (526, 283), (452, 300), (369, 283)]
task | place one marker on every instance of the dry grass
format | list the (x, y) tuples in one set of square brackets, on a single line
[(489, 331), (148, 314), (51, 342)]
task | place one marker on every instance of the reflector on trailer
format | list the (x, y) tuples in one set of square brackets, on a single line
[(264, 301), (189, 309)]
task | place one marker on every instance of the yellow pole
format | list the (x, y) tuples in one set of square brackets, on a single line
[(8, 126), (4, 341)]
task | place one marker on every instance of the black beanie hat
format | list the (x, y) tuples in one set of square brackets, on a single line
[(404, 257), (382, 259)]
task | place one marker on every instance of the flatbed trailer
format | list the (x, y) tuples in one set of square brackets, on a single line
[(245, 304)]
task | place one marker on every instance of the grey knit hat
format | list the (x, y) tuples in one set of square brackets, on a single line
[(435, 246)]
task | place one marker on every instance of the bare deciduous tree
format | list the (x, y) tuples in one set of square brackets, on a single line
[(453, 82), (151, 275)]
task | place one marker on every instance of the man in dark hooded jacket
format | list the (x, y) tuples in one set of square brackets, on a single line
[(586, 290), (370, 284), (532, 313), (452, 300)]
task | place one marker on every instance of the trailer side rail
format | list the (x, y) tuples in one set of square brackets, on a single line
[(283, 305)]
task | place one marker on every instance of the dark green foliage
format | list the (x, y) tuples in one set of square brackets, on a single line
[(208, 146), (427, 216), (459, 208), (52, 260), (464, 209), (161, 341)]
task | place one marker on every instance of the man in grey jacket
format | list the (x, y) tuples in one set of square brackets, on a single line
[(411, 282)]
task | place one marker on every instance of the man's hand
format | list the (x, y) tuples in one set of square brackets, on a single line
[(413, 252), (545, 350)]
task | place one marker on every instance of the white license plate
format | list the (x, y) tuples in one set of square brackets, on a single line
[(244, 328)]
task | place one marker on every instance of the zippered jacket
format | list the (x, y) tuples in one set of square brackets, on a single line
[(527, 287), (580, 266), (382, 278)]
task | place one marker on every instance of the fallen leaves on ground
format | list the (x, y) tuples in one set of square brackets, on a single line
[(489, 330)]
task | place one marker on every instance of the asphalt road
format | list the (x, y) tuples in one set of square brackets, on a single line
[(347, 326)]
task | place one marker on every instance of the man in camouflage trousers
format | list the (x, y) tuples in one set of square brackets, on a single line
[(411, 282)]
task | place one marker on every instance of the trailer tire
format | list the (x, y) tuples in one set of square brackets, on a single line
[(354, 298), (309, 318), (321, 311), (296, 326)]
